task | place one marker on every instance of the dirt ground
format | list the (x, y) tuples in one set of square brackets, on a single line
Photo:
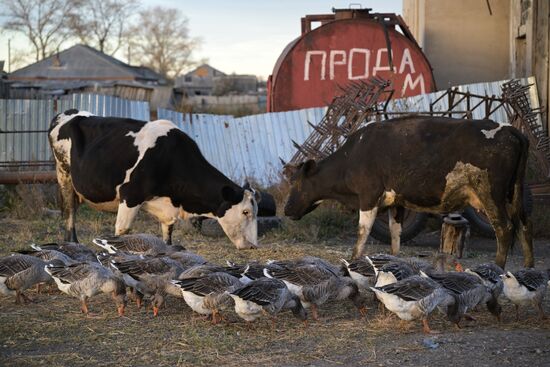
[(52, 331)]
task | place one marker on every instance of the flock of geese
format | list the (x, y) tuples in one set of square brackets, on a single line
[(409, 287)]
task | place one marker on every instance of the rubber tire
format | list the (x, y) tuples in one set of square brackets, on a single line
[(479, 223), (211, 228), (413, 224)]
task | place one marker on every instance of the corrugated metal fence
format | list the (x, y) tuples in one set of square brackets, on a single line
[(246, 147), (24, 123), (250, 147)]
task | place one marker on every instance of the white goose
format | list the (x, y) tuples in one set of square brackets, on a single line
[(526, 286), (413, 298)]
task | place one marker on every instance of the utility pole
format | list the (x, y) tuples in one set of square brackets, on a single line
[(9, 55)]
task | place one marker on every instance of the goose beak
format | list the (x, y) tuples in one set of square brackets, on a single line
[(155, 311), (120, 310), (458, 267)]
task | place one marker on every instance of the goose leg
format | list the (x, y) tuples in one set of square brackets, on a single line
[(381, 308), (426, 327), (84, 306), (540, 310), (215, 317), (363, 311), (314, 312), (18, 298), (139, 299), (26, 298)]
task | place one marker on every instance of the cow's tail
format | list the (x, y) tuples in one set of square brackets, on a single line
[(518, 212)]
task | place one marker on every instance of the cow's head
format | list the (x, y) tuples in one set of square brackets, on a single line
[(237, 216), (302, 198)]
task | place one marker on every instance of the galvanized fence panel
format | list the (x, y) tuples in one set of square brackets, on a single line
[(246, 147), (24, 124), (23, 131), (250, 146)]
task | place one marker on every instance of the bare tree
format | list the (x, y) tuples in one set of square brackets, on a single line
[(102, 23), (43, 22), (161, 41), (19, 58)]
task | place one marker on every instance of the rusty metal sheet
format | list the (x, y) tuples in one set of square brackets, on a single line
[(310, 69)]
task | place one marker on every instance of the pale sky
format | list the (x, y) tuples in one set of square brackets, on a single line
[(245, 36)]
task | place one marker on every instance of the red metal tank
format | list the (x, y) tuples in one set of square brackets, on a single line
[(351, 44)]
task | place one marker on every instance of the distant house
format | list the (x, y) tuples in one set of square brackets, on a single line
[(199, 81), (83, 69), (206, 88)]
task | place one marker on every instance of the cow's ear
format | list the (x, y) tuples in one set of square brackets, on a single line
[(309, 167), (246, 186), (257, 196), (230, 195)]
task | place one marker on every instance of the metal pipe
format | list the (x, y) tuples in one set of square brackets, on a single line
[(17, 177)]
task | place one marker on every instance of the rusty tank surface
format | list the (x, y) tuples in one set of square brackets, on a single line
[(350, 44)]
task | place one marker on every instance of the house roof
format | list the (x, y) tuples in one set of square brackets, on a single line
[(81, 62), (201, 69)]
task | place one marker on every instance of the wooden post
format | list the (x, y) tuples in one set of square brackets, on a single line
[(454, 235)]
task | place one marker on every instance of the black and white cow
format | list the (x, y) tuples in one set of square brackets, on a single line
[(430, 164), (123, 165)]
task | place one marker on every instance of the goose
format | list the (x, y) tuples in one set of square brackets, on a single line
[(266, 295), (48, 255), (316, 284), (379, 260), (198, 271), (440, 262), (150, 277), (392, 272), (187, 259), (85, 280), (469, 291), (206, 295), (305, 261), (526, 287), (245, 272), (106, 259), (19, 272), (76, 251), (140, 243), (490, 275), (361, 270), (250, 271), (413, 298)]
